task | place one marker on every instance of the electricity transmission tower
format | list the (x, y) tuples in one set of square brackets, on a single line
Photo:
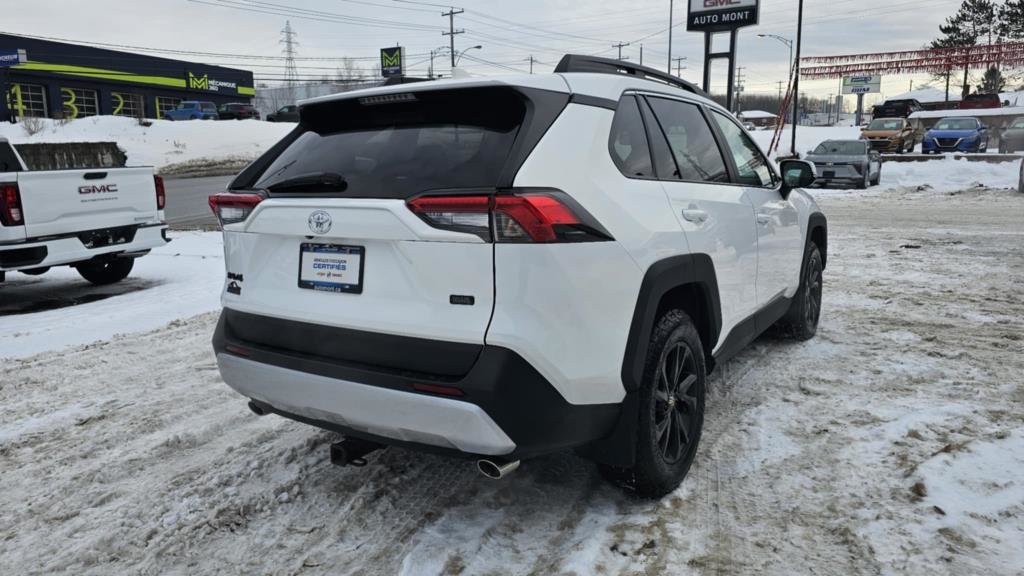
[(291, 73)]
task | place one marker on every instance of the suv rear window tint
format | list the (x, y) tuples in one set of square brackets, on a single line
[(628, 142), (400, 147), (691, 140)]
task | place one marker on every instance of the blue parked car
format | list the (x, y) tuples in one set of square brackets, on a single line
[(962, 134), (193, 110)]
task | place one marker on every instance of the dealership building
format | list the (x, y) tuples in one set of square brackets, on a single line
[(60, 80)]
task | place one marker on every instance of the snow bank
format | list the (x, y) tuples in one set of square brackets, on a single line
[(162, 143), (179, 280)]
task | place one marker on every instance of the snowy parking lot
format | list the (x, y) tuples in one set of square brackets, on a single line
[(893, 443)]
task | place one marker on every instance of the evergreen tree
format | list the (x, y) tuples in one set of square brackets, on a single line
[(992, 82), (1011, 20), (973, 24)]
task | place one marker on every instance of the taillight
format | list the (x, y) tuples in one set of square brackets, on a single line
[(232, 208), (518, 215), (161, 194), (10, 205)]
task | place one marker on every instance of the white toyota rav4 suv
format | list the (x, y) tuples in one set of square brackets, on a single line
[(502, 268)]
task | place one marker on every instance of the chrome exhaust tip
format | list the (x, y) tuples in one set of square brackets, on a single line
[(496, 470)]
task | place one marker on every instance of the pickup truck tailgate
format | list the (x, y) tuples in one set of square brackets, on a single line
[(66, 201)]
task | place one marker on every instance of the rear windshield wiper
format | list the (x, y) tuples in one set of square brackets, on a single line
[(313, 181)]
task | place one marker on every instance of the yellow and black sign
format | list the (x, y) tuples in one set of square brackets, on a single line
[(200, 82), (392, 61)]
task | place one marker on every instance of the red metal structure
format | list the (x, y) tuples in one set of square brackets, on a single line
[(940, 60)]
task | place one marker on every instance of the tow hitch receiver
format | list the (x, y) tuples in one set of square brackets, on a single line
[(351, 452)]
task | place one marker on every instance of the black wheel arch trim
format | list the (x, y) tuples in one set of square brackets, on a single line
[(815, 221), (619, 447)]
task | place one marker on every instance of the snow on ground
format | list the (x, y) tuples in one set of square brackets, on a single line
[(178, 280), (164, 142), (890, 444)]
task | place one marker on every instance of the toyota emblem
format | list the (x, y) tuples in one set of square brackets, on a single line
[(320, 222)]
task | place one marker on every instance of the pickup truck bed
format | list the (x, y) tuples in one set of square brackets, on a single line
[(94, 220)]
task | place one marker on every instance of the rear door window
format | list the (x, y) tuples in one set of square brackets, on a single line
[(400, 146), (693, 144), (628, 141)]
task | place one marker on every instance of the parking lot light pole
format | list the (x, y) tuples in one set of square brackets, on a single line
[(787, 42), (462, 53)]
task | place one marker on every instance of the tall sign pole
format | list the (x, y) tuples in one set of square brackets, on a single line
[(796, 73), (671, 4), (714, 16)]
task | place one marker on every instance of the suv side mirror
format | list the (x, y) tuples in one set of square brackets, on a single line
[(796, 174)]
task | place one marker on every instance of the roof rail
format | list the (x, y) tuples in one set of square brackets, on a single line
[(598, 65)]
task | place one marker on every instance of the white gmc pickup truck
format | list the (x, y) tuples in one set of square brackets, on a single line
[(97, 221)]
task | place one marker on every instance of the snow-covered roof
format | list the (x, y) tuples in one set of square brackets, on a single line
[(928, 94), (981, 112), (755, 114)]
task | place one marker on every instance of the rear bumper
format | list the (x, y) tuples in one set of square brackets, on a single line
[(58, 251), (507, 408)]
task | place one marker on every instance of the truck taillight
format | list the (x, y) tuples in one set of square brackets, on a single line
[(232, 208), (161, 194), (517, 215), (10, 205)]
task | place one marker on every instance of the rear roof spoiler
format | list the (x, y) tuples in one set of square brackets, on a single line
[(598, 65)]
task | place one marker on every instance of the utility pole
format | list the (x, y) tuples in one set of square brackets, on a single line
[(796, 71), (739, 87), (620, 46), (671, 6), (451, 29), (641, 54), (532, 60), (679, 66), (780, 83)]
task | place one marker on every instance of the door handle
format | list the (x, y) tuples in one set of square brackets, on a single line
[(764, 219), (695, 215)]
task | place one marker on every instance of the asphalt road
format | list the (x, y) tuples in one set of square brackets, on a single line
[(187, 200)]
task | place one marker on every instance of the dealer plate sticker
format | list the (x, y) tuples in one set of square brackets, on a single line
[(331, 268)]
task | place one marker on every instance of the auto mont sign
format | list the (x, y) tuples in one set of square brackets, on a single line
[(718, 15)]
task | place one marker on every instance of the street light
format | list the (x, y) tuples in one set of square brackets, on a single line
[(788, 43), (460, 54)]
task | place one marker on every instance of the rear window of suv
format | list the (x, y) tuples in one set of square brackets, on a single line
[(397, 146)]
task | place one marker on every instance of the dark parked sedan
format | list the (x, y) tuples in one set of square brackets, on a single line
[(285, 114), (1011, 138), (238, 111)]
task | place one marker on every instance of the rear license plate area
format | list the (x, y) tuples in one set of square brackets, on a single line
[(829, 174), (331, 267)]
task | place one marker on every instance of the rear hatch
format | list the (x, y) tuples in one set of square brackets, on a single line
[(332, 244), (68, 201)]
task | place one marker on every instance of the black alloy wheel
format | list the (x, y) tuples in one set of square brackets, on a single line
[(676, 419)]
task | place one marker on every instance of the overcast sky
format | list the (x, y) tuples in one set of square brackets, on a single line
[(509, 31)]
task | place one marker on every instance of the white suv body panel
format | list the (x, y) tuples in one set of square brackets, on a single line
[(410, 269), (567, 309)]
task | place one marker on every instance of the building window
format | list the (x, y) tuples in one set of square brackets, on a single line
[(79, 103), (27, 100), (165, 104), (124, 104)]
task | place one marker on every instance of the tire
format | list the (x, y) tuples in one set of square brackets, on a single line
[(103, 272), (36, 271), (801, 320), (193, 117), (877, 179), (671, 409), (863, 185)]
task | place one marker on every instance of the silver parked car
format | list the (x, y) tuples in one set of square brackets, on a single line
[(846, 162)]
